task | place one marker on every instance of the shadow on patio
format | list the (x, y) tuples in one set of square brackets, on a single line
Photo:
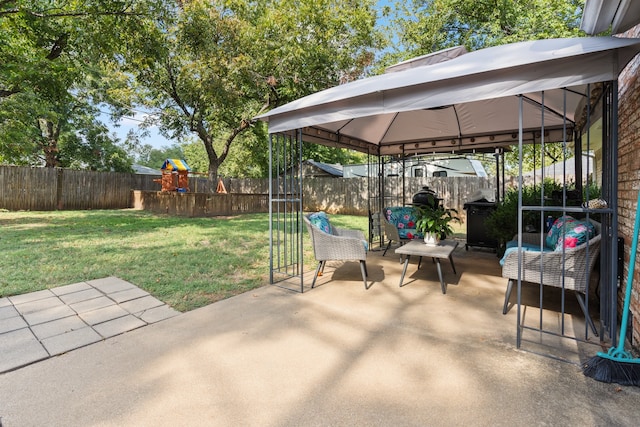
[(335, 355), (472, 306)]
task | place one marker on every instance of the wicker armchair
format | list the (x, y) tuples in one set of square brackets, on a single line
[(390, 226), (576, 272), (391, 231), (341, 245)]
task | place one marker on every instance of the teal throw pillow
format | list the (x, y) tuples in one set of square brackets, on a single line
[(321, 221)]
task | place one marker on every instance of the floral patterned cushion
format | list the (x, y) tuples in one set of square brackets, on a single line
[(403, 217), (576, 232), (321, 221)]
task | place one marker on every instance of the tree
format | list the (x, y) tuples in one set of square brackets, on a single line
[(213, 66), (532, 157), (155, 157), (425, 26), (50, 79)]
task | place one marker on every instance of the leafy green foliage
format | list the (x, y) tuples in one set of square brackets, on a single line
[(209, 67), (532, 157), (50, 80), (425, 26), (436, 220), (502, 224)]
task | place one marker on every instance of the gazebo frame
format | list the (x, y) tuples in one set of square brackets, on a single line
[(560, 76)]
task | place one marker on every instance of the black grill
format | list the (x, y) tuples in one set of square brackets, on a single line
[(477, 233)]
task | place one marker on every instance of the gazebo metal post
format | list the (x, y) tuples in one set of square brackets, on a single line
[(285, 208), (520, 182), (609, 260)]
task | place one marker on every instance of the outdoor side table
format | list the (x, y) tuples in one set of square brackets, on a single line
[(441, 251)]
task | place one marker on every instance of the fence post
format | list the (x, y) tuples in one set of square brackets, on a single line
[(59, 189)]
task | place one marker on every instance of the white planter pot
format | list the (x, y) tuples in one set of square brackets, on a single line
[(431, 239)]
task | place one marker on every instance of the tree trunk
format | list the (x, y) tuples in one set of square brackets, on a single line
[(50, 134)]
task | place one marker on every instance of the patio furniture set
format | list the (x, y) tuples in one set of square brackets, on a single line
[(564, 257)]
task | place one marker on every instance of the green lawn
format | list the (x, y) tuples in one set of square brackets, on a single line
[(185, 262)]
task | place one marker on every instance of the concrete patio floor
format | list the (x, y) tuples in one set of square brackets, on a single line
[(335, 355)]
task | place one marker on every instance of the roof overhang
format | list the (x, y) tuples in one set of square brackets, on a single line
[(620, 15)]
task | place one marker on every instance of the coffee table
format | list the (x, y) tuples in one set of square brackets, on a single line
[(441, 251)]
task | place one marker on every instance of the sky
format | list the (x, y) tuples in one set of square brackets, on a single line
[(128, 123)]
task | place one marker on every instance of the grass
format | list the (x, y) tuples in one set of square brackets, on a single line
[(185, 262)]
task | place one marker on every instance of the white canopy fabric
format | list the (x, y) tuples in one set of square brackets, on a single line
[(466, 103)]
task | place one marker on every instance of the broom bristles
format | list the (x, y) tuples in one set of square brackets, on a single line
[(612, 371)]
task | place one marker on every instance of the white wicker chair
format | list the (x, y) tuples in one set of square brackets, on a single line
[(391, 231), (576, 272), (341, 245)]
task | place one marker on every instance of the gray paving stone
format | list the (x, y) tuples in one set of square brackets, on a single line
[(141, 304), (8, 311), (68, 289), (128, 295), (92, 304), (11, 324), (20, 348), (39, 305), (57, 327), (110, 285), (71, 340), (45, 323), (80, 296), (31, 296), (103, 314), (118, 326), (48, 315), (157, 314)]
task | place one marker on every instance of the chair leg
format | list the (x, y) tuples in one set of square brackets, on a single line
[(387, 248), (587, 317), (317, 272), (363, 269), (507, 296)]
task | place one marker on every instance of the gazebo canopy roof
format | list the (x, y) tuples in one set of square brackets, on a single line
[(466, 103)]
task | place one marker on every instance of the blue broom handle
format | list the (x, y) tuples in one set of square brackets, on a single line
[(632, 265)]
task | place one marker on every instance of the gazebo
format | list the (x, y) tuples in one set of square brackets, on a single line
[(556, 90)]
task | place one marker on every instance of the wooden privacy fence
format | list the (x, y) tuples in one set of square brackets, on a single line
[(43, 189), (25, 188)]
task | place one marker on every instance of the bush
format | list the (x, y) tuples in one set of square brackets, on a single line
[(502, 224)]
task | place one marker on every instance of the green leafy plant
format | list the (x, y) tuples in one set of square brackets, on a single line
[(437, 221), (502, 224)]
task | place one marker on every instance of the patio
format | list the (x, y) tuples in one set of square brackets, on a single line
[(336, 355)]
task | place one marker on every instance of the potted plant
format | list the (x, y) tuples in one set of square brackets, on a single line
[(435, 223)]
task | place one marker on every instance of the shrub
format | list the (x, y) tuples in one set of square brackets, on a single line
[(502, 224)]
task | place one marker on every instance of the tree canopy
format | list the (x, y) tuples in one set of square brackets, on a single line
[(50, 80), (424, 26), (207, 68), (202, 69)]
